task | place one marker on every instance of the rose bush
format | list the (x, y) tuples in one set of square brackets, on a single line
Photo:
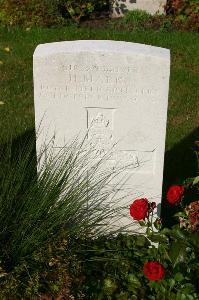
[(162, 264)]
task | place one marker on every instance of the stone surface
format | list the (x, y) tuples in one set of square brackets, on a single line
[(119, 7), (117, 90)]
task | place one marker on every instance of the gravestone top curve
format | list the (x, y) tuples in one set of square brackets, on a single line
[(100, 46)]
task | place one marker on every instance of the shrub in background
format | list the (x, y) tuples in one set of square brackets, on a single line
[(181, 14), (186, 11), (48, 12), (174, 20), (182, 8), (78, 9), (30, 12)]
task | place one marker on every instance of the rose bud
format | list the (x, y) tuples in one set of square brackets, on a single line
[(153, 205)]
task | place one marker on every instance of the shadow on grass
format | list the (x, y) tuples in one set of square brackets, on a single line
[(180, 163), (14, 151)]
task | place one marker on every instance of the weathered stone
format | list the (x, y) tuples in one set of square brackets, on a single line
[(116, 90)]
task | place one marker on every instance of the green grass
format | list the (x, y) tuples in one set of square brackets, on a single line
[(36, 207), (16, 91)]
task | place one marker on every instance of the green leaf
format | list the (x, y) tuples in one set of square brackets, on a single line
[(109, 286), (142, 223), (177, 233), (181, 214), (78, 11), (188, 181), (181, 296), (171, 283), (154, 284), (194, 238), (148, 231), (71, 11), (133, 280), (141, 240), (188, 288), (196, 180), (159, 238), (179, 277), (177, 252), (165, 231), (163, 252)]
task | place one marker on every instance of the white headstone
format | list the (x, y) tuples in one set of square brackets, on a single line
[(117, 90), (119, 7)]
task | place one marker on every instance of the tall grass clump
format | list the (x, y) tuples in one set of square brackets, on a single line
[(70, 193), (137, 18)]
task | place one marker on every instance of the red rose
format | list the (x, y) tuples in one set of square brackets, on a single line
[(175, 194), (139, 209), (154, 271)]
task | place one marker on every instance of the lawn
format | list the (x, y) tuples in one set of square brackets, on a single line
[(16, 92)]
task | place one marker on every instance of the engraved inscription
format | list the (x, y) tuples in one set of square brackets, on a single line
[(100, 128), (133, 159), (97, 68), (100, 125), (92, 82)]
